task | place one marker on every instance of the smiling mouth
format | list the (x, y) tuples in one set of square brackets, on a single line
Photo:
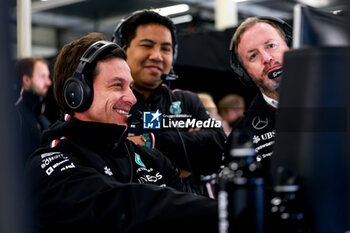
[(154, 67), (125, 113)]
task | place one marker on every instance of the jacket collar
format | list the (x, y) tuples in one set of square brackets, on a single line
[(260, 107), (271, 102), (91, 133), (154, 97), (31, 101)]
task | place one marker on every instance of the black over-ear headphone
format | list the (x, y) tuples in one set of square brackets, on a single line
[(236, 64), (78, 90)]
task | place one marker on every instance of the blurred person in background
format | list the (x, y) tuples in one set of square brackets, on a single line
[(33, 76), (231, 107), (211, 107)]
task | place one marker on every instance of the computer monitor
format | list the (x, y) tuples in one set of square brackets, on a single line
[(312, 144), (316, 27)]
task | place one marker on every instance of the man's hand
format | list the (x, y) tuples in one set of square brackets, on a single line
[(137, 140), (184, 173), (194, 129)]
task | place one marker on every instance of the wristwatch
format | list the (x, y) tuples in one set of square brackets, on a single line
[(147, 139)]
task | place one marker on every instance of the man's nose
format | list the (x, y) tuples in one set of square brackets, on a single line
[(48, 81), (156, 54), (130, 97), (266, 57)]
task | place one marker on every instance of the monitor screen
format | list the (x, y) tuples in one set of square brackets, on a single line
[(316, 27), (312, 125)]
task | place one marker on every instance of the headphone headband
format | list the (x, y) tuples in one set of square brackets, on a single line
[(92, 52), (118, 36), (236, 64)]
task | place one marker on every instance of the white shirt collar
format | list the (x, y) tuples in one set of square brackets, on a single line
[(270, 101)]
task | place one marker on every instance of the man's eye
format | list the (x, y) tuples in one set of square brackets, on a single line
[(272, 45), (252, 56), (167, 49), (146, 45)]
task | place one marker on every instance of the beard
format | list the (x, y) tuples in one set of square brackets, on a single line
[(269, 87)]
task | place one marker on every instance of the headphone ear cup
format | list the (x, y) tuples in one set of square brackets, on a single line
[(240, 71), (117, 36), (77, 94)]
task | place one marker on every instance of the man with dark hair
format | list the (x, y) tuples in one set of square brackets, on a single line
[(195, 149), (33, 77), (87, 177)]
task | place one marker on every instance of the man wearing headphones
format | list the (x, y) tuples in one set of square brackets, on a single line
[(87, 177), (257, 50), (150, 43)]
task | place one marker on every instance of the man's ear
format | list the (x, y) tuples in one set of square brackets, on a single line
[(26, 82)]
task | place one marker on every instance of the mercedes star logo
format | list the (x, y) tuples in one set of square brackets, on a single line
[(260, 122)]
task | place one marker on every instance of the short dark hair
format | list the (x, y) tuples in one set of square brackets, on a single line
[(128, 30), (25, 66), (68, 60)]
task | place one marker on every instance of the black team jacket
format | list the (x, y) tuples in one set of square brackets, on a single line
[(87, 177), (259, 122), (204, 148), (31, 121)]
